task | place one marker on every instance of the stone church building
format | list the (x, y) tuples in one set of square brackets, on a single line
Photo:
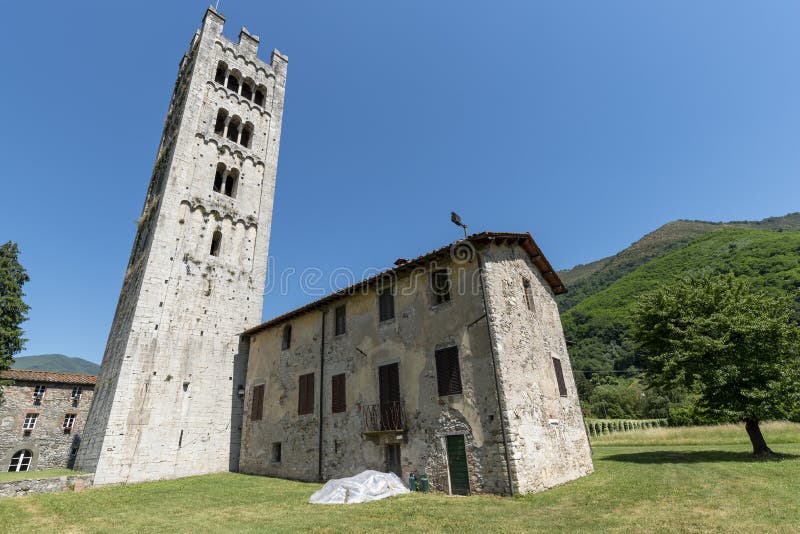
[(453, 364)]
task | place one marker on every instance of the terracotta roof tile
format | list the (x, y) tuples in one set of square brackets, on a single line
[(47, 376)]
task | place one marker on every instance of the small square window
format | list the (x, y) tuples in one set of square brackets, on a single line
[(38, 392), (440, 283), (30, 421), (69, 422), (340, 323), (275, 457), (77, 391)]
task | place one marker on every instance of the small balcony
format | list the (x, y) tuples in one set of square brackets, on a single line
[(384, 418)]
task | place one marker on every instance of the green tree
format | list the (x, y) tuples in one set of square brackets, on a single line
[(735, 347), (13, 310)]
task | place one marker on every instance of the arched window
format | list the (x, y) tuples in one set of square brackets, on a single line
[(21, 461), (247, 90), (233, 82), (230, 184), (219, 126), (222, 72), (261, 95), (219, 177), (247, 135), (233, 129), (216, 242)]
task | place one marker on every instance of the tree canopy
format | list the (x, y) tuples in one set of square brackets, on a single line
[(13, 310), (735, 347)]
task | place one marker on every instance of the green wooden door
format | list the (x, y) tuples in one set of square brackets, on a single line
[(457, 463)]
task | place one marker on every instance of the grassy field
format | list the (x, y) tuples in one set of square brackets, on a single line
[(662, 480), (27, 475)]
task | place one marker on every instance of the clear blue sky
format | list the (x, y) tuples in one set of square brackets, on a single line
[(585, 123)]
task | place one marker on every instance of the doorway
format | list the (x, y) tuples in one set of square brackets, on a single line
[(393, 459), (457, 465), (389, 390)]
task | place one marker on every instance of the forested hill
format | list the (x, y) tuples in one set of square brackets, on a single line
[(602, 354), (586, 280), (56, 363)]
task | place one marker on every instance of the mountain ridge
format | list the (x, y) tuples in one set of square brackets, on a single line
[(57, 363), (584, 280)]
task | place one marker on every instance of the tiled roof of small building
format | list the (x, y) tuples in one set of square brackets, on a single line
[(24, 375), (525, 240)]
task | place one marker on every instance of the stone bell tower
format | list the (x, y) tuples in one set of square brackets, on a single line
[(166, 403)]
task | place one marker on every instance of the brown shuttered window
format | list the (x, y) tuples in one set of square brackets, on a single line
[(287, 337), (338, 394), (562, 386), (305, 401), (386, 304), (341, 320), (448, 372), (257, 409)]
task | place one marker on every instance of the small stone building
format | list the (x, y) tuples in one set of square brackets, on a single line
[(41, 418), (453, 364)]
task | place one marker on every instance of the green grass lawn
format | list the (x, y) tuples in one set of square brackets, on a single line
[(646, 484), (27, 475)]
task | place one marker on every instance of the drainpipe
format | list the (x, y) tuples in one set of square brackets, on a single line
[(494, 368), (321, 388)]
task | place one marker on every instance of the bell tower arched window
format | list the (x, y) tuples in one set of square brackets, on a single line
[(222, 73), (234, 125), (219, 125), (219, 178), (260, 96)]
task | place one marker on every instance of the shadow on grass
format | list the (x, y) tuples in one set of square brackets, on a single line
[(693, 457)]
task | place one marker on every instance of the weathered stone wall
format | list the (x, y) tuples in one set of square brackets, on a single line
[(411, 338), (166, 395), (20, 488), (547, 437), (52, 448)]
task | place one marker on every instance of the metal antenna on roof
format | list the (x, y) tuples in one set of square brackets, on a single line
[(216, 6), (456, 219)]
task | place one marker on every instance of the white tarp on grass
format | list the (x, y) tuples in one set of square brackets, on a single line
[(364, 487)]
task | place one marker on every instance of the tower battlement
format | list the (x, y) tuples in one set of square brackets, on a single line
[(166, 404)]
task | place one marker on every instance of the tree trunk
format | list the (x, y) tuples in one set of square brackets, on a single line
[(756, 438)]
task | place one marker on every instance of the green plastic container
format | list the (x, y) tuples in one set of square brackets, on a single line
[(424, 485)]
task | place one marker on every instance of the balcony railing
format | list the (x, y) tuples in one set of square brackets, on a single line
[(384, 417)]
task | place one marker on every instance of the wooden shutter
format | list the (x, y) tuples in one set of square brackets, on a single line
[(341, 320), (338, 394), (448, 371), (257, 410), (305, 401), (562, 386), (457, 465)]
